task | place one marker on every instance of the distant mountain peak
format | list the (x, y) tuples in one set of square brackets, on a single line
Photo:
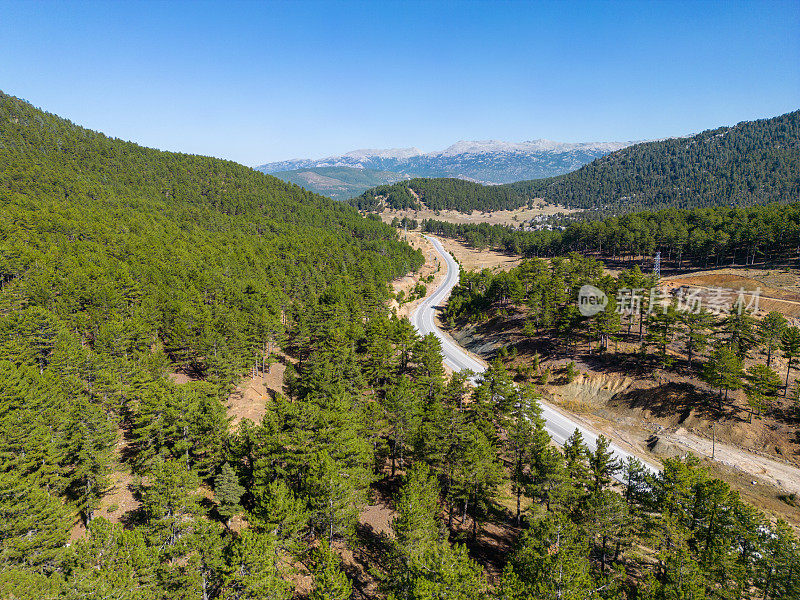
[(482, 161), (397, 153), (527, 147)]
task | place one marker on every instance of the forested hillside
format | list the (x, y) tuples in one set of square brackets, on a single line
[(439, 194), (339, 183), (682, 509), (699, 237), (121, 265), (754, 162)]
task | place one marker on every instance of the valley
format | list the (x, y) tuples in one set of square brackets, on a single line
[(213, 375), (463, 361)]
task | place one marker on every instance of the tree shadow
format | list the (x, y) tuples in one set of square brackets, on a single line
[(680, 399), (497, 537), (372, 557)]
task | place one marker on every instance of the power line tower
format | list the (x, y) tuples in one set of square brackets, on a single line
[(657, 264)]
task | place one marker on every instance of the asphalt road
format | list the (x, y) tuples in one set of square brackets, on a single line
[(558, 424)]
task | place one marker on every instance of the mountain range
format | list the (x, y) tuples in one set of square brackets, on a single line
[(753, 162), (488, 162)]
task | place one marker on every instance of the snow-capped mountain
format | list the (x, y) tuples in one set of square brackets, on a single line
[(487, 161)]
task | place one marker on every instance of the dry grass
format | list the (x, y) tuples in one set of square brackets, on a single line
[(406, 284), (779, 290), (498, 217), (476, 260)]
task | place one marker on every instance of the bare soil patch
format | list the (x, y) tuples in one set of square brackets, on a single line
[(249, 399), (777, 290), (118, 502)]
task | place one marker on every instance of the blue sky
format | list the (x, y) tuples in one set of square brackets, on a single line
[(261, 81)]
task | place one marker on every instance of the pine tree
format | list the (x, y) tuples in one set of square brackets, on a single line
[(416, 526), (405, 338), (89, 441), (695, 326), (112, 562), (496, 389), (34, 524), (602, 464), (724, 371), (404, 415), (254, 569), (379, 358), (779, 564), (335, 496), (523, 426), (740, 328), (661, 325), (228, 492), (605, 516), (576, 455), (170, 500), (330, 582), (770, 329), (605, 325), (477, 475), (441, 571), (428, 371), (549, 479), (790, 344), (550, 562), (279, 513), (634, 476), (762, 384)]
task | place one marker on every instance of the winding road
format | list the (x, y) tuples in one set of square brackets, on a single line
[(558, 424)]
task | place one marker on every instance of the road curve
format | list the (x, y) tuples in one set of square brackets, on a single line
[(559, 425), (422, 318)]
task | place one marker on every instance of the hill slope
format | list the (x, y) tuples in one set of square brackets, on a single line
[(120, 265), (754, 162), (339, 183), (195, 239)]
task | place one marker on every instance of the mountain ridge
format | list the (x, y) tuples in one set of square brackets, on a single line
[(490, 162), (752, 162)]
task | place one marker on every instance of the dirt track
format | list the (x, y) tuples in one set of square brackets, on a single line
[(784, 477)]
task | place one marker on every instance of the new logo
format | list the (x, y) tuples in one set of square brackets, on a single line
[(591, 300)]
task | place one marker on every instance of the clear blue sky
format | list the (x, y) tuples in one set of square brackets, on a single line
[(257, 82)]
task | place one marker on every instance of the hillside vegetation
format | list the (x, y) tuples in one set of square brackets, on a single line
[(754, 162), (121, 265), (440, 194), (339, 183), (699, 237)]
